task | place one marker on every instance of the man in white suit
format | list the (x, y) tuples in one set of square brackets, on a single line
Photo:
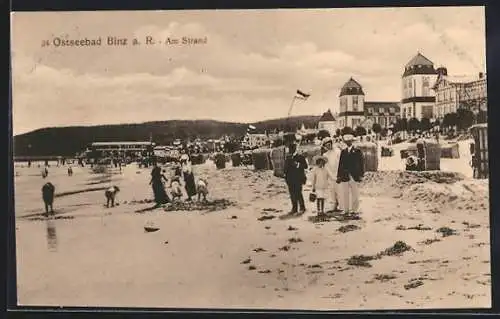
[(332, 152)]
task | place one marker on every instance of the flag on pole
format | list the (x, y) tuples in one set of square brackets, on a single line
[(301, 95)]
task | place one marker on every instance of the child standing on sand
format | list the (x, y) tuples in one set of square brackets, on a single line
[(320, 182)]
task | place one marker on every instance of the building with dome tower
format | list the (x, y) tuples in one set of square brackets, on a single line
[(418, 98), (352, 101), (355, 111)]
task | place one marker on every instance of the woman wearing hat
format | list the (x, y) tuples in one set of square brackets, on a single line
[(332, 153), (157, 178), (187, 173)]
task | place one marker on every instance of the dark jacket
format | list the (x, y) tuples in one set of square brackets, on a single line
[(350, 164), (295, 166)]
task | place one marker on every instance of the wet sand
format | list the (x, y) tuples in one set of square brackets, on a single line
[(88, 255)]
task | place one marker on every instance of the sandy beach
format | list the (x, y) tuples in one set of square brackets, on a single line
[(244, 255)]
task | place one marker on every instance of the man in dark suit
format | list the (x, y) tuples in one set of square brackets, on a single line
[(350, 174), (295, 176)]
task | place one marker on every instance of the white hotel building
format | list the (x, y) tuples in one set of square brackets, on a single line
[(417, 95)]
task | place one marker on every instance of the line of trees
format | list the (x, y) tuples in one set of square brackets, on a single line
[(462, 119)]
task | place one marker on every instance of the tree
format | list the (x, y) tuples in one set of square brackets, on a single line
[(402, 124), (425, 124), (413, 124), (376, 128), (465, 119), (446, 121), (360, 131)]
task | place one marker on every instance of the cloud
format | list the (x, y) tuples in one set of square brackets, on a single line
[(243, 72)]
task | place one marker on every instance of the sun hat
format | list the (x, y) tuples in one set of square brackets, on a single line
[(326, 140), (320, 157)]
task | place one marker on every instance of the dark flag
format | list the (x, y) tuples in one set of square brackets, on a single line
[(301, 95)]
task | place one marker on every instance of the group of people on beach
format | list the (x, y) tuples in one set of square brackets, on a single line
[(337, 174), (183, 171)]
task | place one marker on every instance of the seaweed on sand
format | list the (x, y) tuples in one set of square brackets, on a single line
[(347, 228), (446, 231), (397, 249), (360, 260), (209, 206)]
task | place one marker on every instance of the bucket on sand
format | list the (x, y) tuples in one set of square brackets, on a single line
[(480, 157)]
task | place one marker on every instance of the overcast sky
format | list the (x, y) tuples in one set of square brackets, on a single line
[(249, 69)]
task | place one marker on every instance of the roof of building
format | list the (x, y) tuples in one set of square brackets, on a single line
[(419, 59), (352, 87), (327, 117), (419, 64), (459, 79)]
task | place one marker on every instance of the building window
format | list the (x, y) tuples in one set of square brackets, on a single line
[(370, 110), (425, 86), (343, 104), (392, 110), (355, 103)]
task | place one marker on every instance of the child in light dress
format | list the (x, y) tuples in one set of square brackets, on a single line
[(202, 189), (175, 188), (320, 182)]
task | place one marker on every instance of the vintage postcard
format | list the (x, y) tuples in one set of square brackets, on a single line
[(330, 159)]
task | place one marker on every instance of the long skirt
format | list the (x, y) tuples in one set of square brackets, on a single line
[(160, 194), (190, 184)]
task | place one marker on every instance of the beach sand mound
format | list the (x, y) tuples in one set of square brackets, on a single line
[(471, 194), (392, 182)]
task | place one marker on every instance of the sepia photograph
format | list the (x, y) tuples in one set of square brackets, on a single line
[(280, 159)]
